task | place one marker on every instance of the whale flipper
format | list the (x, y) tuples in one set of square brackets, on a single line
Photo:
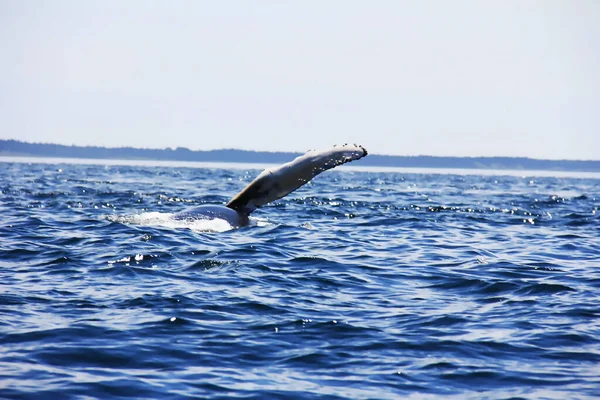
[(274, 183)]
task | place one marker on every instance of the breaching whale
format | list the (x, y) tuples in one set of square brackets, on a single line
[(275, 183)]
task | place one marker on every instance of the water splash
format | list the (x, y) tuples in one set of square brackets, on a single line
[(166, 220)]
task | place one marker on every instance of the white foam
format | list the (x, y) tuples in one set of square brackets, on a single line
[(166, 220), (258, 221)]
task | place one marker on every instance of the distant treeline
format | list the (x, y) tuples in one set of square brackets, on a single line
[(18, 148)]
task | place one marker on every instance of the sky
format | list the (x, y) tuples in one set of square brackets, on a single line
[(443, 78)]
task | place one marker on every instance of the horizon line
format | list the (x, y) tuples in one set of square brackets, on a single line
[(287, 151)]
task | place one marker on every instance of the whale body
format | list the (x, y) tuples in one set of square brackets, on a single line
[(275, 183), (214, 211)]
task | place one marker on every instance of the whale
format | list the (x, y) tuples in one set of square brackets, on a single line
[(274, 183)]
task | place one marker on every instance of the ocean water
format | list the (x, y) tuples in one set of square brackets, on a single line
[(376, 284)]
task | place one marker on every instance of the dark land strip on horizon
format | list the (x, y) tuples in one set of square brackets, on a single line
[(25, 149)]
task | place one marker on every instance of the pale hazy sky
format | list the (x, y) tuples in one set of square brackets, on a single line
[(464, 78)]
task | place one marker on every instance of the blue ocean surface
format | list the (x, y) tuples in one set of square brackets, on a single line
[(378, 284)]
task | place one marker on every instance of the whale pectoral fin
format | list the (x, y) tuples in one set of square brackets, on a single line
[(274, 183), (243, 202)]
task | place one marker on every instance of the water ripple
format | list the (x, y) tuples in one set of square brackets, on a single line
[(360, 285)]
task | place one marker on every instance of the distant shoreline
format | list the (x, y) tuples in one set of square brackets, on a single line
[(15, 148), (254, 166)]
